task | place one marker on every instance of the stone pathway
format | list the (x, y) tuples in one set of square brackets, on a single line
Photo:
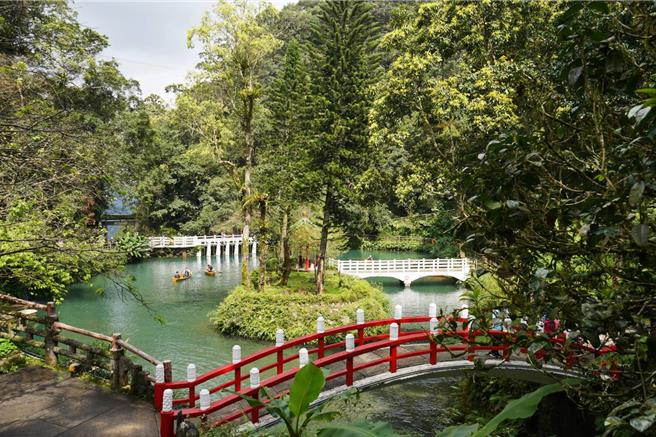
[(42, 403)]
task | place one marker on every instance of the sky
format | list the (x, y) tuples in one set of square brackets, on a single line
[(148, 38)]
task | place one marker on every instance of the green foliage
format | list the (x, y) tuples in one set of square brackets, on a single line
[(7, 347), (58, 143), (527, 116), (344, 65), (521, 408), (295, 307), (358, 429), (135, 246), (630, 417), (294, 409), (42, 251)]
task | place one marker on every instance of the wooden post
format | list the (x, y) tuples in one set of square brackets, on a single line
[(433, 353), (168, 371), (392, 358), (51, 332), (136, 380), (280, 366), (322, 345), (349, 371), (116, 362)]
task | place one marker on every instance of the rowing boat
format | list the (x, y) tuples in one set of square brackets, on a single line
[(181, 278)]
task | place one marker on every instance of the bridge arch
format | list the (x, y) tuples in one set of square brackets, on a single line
[(407, 280)]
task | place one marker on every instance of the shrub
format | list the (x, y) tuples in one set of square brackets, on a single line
[(134, 246), (295, 308), (7, 347)]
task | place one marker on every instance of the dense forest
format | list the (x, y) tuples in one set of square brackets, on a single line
[(520, 134)]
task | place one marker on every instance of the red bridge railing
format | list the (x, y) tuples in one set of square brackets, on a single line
[(358, 341)]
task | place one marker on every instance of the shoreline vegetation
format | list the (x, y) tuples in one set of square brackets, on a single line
[(257, 314)]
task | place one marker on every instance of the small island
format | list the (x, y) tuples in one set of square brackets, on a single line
[(294, 308)]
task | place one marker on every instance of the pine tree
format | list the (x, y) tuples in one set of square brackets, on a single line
[(287, 156), (344, 52)]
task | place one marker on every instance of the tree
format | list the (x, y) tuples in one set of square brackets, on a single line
[(284, 163), (57, 139), (528, 116), (236, 46), (344, 58)]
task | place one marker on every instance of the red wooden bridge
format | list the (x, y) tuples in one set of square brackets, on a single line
[(381, 346)]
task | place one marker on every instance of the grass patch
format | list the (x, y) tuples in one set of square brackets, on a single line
[(257, 314)]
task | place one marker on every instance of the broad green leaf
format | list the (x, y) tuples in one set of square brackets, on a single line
[(640, 115), (520, 408), (358, 429), (306, 387), (650, 91), (640, 234), (633, 111), (643, 423), (493, 204), (636, 193), (574, 75), (458, 431), (327, 416)]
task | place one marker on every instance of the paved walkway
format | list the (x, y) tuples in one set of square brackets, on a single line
[(43, 403)]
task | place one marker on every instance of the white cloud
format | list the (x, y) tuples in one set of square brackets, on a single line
[(148, 38)]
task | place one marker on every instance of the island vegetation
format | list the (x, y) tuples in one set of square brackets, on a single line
[(294, 308), (519, 134)]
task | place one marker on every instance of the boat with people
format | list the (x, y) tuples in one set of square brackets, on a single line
[(209, 270), (181, 277)]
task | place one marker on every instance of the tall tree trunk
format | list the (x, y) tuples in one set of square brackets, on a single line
[(286, 253), (283, 233), (263, 254), (323, 245), (249, 144)]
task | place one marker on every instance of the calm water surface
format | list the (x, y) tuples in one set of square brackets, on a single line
[(187, 336)]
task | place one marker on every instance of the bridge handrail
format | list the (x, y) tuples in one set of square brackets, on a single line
[(362, 345), (405, 265), (193, 240), (298, 341)]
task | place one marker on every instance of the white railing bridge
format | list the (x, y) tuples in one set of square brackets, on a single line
[(226, 244), (405, 270)]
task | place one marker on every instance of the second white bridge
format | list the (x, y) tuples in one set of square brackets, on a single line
[(405, 270)]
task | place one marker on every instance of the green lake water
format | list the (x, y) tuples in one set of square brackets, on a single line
[(187, 336)]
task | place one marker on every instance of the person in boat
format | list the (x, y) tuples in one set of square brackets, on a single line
[(187, 273), (210, 268), (177, 275)]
